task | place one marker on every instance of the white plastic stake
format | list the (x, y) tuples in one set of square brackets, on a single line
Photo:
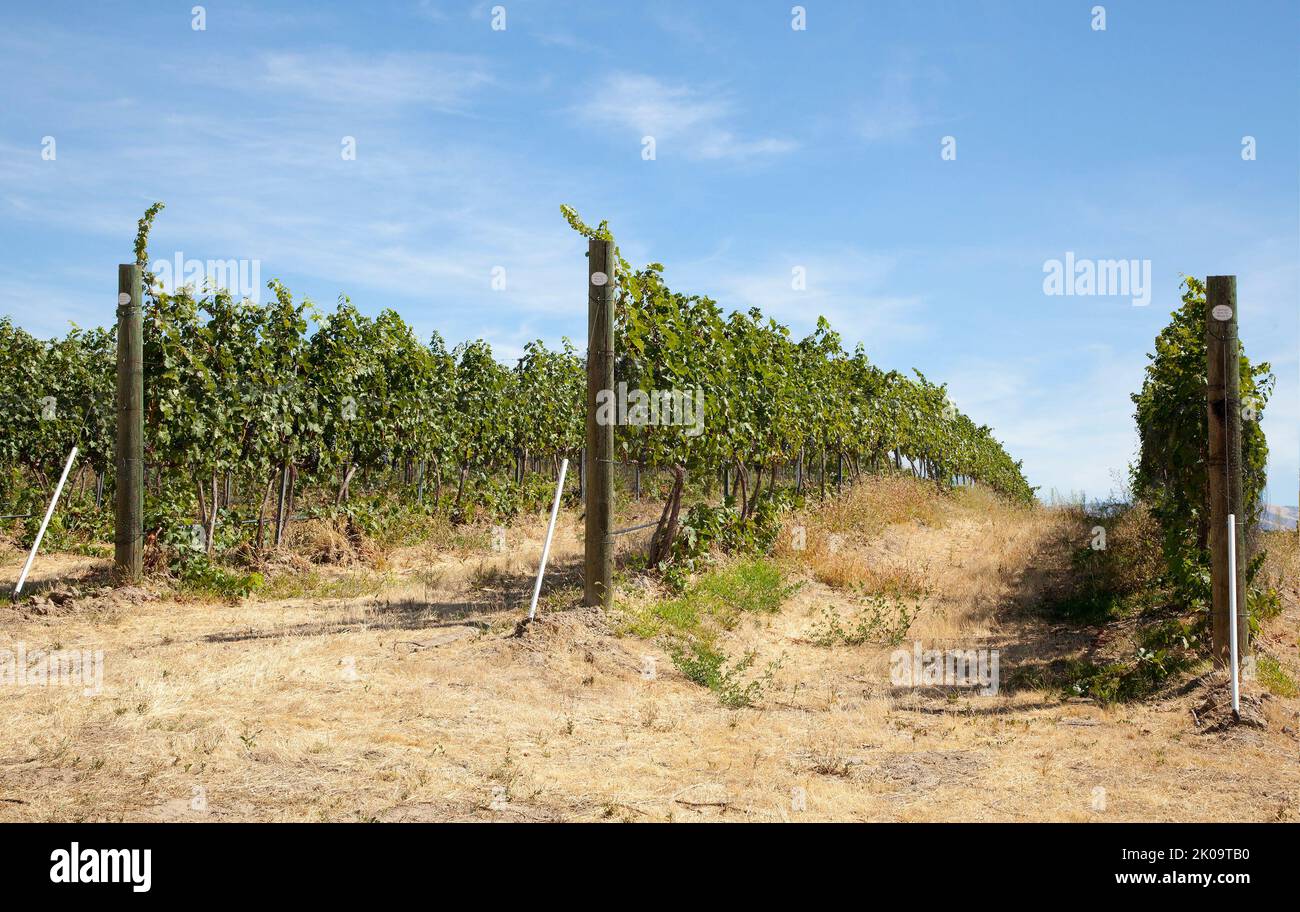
[(1232, 613), (546, 546), (45, 522)]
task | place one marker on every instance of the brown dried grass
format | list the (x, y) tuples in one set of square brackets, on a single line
[(417, 702)]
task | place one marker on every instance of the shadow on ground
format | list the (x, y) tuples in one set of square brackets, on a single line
[(508, 592)]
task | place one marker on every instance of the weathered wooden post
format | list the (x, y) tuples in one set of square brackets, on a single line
[(128, 527), (598, 568), (1223, 393)]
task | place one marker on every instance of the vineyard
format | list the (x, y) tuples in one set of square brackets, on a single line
[(446, 412), (342, 523), (256, 413)]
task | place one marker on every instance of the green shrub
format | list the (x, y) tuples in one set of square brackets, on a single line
[(708, 666), (877, 619), (752, 586), (719, 599), (1119, 682), (706, 527), (201, 577)]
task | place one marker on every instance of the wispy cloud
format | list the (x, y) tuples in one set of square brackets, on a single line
[(562, 39), (386, 82), (849, 287), (679, 25), (428, 10), (45, 309), (1073, 429), (440, 81), (895, 110), (679, 117), (323, 224)]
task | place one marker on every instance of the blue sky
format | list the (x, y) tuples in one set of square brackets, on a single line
[(774, 148)]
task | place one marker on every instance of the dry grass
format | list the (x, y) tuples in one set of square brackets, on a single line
[(1282, 566), (413, 701), (1279, 641), (336, 541), (857, 571), (866, 509)]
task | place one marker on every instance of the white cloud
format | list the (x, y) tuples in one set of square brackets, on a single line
[(1066, 413), (45, 310), (427, 9), (440, 81), (894, 111), (851, 288), (323, 224), (563, 39), (678, 117), (678, 24)]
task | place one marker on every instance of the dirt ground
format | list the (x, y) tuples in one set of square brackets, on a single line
[(403, 695)]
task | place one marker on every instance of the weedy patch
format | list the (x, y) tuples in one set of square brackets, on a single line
[(202, 579), (1163, 651), (716, 601), (1116, 567), (710, 667), (748, 587), (1120, 682), (859, 573), (876, 619), (1273, 676), (692, 623)]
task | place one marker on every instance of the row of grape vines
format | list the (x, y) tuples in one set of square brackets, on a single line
[(287, 394)]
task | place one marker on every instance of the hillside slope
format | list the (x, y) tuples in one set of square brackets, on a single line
[(405, 694)]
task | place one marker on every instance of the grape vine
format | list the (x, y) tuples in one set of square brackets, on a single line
[(287, 394)]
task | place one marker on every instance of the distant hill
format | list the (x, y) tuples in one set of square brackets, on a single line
[(1277, 518)]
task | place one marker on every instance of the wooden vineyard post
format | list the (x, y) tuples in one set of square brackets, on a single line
[(128, 526), (1223, 393), (598, 566)]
